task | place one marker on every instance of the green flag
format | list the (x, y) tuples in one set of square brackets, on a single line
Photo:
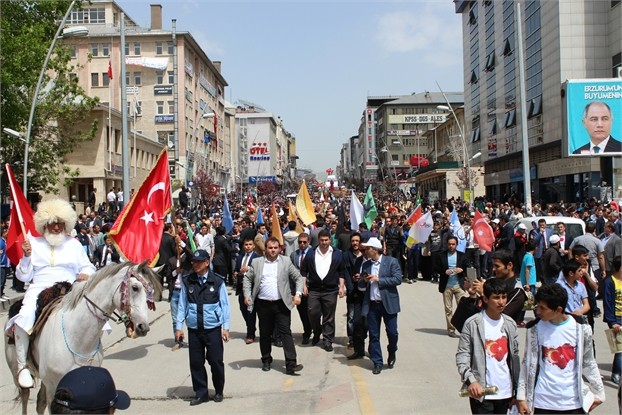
[(193, 246), (369, 207)]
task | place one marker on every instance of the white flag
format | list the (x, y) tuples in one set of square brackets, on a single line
[(357, 212), (422, 228)]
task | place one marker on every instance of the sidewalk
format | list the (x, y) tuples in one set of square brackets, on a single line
[(13, 295)]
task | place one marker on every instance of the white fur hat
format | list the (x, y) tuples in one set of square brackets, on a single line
[(55, 210)]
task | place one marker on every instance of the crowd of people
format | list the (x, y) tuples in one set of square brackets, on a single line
[(312, 266)]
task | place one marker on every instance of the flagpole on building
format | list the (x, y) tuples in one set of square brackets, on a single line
[(110, 131)]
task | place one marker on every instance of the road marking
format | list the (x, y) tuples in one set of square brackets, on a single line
[(364, 398)]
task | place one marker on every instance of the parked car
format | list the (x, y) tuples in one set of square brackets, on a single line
[(574, 226)]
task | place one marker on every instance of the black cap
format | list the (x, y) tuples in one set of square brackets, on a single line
[(90, 388), (200, 255)]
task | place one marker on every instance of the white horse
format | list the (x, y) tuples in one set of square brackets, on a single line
[(71, 337)]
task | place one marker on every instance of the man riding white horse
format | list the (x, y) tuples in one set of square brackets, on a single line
[(48, 259)]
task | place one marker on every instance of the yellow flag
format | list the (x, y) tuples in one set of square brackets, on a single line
[(292, 216), (304, 207), (276, 226)]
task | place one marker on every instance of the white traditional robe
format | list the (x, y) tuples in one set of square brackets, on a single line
[(46, 266)]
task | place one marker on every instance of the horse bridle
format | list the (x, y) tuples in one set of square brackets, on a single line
[(125, 306)]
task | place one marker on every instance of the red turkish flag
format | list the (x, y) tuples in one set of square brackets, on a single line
[(22, 220), (137, 231), (109, 70), (482, 232)]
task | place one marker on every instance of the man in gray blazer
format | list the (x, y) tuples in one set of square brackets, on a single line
[(267, 288), (382, 301)]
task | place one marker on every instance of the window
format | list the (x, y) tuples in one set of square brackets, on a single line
[(137, 78), (492, 127), (136, 48), (170, 47), (159, 78), (171, 77), (94, 49), (138, 107), (127, 49), (616, 64), (475, 135), (473, 79), (127, 78), (472, 18), (535, 107), (105, 79), (171, 107), (510, 119), (105, 49), (94, 79), (159, 49), (490, 62), (159, 107), (73, 50), (508, 47), (89, 15)]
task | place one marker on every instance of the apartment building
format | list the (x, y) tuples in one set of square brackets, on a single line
[(562, 40), (175, 96)]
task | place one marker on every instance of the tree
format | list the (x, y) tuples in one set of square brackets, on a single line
[(206, 185), (462, 179), (28, 28)]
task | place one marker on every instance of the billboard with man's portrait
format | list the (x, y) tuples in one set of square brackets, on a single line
[(594, 117)]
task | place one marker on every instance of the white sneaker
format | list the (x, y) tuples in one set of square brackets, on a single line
[(25, 379), (4, 297)]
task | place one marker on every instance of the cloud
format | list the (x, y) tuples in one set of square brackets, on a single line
[(420, 31), (212, 48)]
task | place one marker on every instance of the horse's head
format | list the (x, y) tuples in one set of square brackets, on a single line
[(137, 292)]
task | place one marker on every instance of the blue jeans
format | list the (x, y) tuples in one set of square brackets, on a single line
[(617, 358), (377, 312), (174, 304)]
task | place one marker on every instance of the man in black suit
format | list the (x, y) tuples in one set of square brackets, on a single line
[(597, 120), (297, 258), (242, 265), (106, 254), (450, 265), (324, 270)]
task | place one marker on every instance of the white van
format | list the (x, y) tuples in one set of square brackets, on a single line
[(574, 226)]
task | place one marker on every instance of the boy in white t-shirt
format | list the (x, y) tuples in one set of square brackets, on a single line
[(488, 353), (558, 352)]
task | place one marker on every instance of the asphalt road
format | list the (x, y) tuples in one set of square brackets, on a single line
[(424, 380)]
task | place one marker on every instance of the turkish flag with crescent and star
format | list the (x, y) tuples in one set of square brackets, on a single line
[(482, 232), (137, 232)]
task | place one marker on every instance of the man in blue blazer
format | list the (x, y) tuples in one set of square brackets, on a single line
[(242, 265), (382, 274), (324, 270)]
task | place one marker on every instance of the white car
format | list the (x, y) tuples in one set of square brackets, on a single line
[(574, 226)]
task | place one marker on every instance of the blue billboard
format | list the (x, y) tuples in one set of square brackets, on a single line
[(594, 117)]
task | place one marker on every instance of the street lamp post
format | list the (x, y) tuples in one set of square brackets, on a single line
[(381, 171), (35, 98), (466, 160)]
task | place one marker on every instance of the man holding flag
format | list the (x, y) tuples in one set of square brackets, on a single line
[(48, 259)]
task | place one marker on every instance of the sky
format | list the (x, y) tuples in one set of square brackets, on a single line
[(314, 63)]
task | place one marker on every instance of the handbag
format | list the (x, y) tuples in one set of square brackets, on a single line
[(467, 307)]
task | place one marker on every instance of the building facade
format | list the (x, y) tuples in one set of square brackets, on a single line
[(175, 93), (562, 40)]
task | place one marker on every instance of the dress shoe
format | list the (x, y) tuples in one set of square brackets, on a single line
[(452, 334), (377, 370), (328, 347), (199, 401), (249, 340), (291, 370), (218, 397), (316, 340), (278, 343), (305, 339), (266, 366), (391, 360), (25, 379), (355, 356)]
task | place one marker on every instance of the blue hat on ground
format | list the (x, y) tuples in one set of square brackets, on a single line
[(90, 388), (200, 255)]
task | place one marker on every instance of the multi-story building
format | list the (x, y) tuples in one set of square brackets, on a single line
[(266, 150), (563, 40), (175, 93)]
